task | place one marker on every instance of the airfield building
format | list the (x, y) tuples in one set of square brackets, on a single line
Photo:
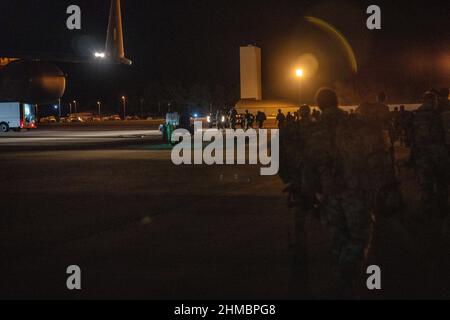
[(251, 86)]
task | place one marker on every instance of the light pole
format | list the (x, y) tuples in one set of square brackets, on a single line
[(142, 108), (124, 100), (55, 107), (75, 105), (99, 108), (299, 73), (59, 107)]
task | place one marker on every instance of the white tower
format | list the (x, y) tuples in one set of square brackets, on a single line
[(251, 73)]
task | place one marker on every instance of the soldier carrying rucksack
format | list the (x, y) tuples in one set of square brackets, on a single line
[(354, 178), (430, 157)]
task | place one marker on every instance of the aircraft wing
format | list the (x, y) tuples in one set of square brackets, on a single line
[(114, 50), (63, 57)]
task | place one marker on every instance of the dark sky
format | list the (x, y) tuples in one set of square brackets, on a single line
[(196, 41)]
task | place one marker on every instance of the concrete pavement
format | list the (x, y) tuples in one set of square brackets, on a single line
[(140, 227)]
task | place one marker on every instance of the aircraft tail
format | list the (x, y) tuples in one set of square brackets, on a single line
[(114, 39)]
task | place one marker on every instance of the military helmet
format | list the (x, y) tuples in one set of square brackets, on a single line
[(305, 111), (326, 98), (430, 97)]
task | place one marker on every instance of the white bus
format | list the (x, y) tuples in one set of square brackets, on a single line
[(16, 116)]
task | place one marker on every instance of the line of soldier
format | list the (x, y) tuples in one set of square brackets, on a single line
[(246, 120), (341, 167)]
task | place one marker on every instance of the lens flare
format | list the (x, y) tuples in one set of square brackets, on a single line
[(331, 30)]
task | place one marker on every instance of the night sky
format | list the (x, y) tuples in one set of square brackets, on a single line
[(197, 42)]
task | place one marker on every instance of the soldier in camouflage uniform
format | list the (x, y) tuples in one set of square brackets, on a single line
[(354, 169), (294, 173), (295, 136), (444, 110), (343, 206), (443, 102), (342, 165), (378, 113), (430, 158)]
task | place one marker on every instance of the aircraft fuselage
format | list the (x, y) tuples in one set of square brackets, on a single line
[(33, 82)]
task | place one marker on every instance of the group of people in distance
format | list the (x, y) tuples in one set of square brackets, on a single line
[(342, 168), (247, 120)]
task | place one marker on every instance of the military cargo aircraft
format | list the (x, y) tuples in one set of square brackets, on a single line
[(33, 78)]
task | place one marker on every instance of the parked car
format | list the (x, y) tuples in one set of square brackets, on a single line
[(50, 119), (132, 118), (74, 119)]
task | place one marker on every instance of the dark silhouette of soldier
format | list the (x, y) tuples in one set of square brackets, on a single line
[(185, 120), (444, 110), (405, 126), (281, 118), (233, 118), (377, 113), (293, 172), (260, 119), (356, 178), (430, 158), (304, 114), (219, 117), (444, 103), (290, 118), (249, 120), (395, 128), (316, 115)]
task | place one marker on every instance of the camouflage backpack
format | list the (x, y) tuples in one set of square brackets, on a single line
[(428, 129), (364, 158), (366, 163)]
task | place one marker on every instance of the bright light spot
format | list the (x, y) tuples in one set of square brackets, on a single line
[(208, 119), (27, 110), (195, 115), (100, 55), (308, 63), (299, 73), (223, 119), (55, 107)]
